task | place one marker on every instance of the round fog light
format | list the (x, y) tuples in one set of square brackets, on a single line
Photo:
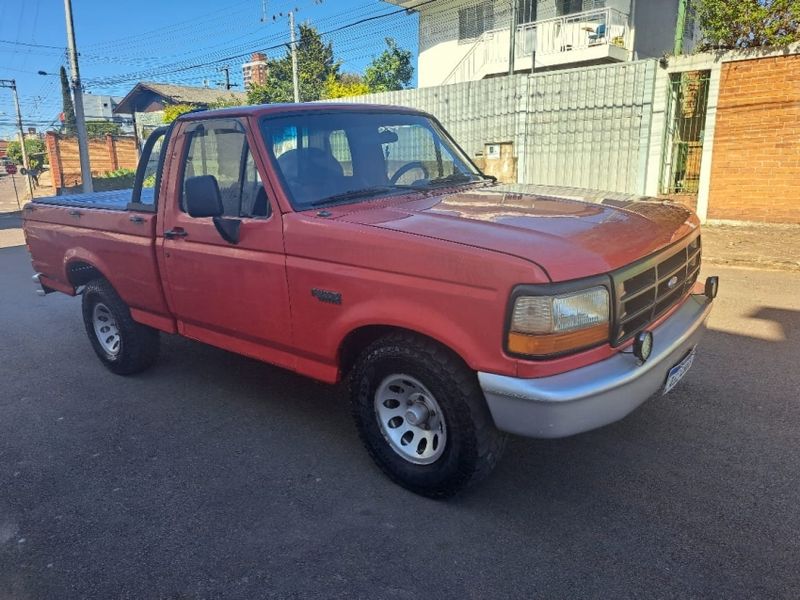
[(712, 287), (643, 345)]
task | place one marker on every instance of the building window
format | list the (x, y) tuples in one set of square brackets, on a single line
[(568, 7), (526, 11), (474, 20)]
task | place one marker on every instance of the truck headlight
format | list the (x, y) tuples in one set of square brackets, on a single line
[(547, 325)]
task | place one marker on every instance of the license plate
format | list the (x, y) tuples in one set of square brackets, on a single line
[(677, 372)]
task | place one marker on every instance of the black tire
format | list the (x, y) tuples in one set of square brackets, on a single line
[(138, 344), (473, 444)]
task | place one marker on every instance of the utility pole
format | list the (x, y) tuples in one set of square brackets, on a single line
[(77, 101), (512, 34), (680, 25), (295, 78), (11, 83), (227, 70)]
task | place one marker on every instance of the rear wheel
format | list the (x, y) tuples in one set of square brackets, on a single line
[(124, 346), (422, 416)]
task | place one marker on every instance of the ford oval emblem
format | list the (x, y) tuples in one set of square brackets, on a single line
[(673, 281)]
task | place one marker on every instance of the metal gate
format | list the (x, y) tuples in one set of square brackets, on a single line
[(687, 103)]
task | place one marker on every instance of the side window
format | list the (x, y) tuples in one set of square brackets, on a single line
[(220, 148)]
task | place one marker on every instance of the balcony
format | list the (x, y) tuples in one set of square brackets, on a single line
[(590, 37)]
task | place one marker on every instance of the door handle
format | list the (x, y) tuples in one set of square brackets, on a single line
[(74, 213), (136, 219), (178, 232)]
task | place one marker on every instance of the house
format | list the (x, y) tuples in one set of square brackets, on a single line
[(154, 97), (147, 101), (98, 107), (466, 40)]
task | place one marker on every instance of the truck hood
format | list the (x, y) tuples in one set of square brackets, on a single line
[(567, 238)]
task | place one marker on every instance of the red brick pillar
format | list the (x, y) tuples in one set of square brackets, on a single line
[(54, 158)]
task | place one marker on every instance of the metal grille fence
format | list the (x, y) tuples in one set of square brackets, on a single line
[(687, 103)]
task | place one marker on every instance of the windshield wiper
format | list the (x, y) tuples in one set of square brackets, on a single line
[(453, 178), (361, 193)]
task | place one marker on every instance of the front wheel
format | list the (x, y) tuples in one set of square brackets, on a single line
[(422, 416), (124, 346)]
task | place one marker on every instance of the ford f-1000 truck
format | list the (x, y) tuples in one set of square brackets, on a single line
[(360, 244)]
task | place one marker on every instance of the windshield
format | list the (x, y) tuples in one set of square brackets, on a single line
[(344, 157)]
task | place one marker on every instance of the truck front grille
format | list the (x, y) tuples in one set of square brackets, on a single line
[(646, 290)]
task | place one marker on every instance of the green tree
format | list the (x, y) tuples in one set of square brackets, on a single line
[(35, 149), (226, 102), (173, 111), (347, 84), (747, 23), (67, 107), (315, 64), (101, 128), (391, 70)]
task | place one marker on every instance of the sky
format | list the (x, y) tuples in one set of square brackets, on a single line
[(170, 41)]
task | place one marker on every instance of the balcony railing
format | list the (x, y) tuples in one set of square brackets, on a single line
[(549, 40)]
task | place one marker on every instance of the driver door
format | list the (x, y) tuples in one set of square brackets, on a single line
[(231, 295)]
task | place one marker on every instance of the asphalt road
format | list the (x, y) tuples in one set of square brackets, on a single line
[(8, 199), (215, 476)]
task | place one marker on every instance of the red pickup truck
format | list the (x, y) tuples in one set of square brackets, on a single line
[(360, 244)]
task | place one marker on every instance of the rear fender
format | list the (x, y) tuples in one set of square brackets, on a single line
[(73, 256)]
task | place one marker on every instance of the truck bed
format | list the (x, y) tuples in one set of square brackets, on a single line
[(110, 200), (64, 233)]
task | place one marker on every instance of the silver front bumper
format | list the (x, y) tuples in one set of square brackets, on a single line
[(597, 394)]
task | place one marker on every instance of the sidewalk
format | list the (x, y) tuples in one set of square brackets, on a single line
[(769, 246)]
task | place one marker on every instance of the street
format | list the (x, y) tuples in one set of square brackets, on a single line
[(213, 475)]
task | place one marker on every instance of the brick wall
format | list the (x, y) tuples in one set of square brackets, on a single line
[(106, 154), (755, 169)]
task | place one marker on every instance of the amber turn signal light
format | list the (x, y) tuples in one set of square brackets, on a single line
[(557, 343)]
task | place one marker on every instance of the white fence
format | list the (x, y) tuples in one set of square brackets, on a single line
[(590, 127), (585, 127)]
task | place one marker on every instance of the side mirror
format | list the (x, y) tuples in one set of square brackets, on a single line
[(202, 196)]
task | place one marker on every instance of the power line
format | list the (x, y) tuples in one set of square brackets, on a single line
[(183, 68), (17, 43)]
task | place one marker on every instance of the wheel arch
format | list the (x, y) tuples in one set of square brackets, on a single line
[(82, 266), (360, 337), (80, 272)]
